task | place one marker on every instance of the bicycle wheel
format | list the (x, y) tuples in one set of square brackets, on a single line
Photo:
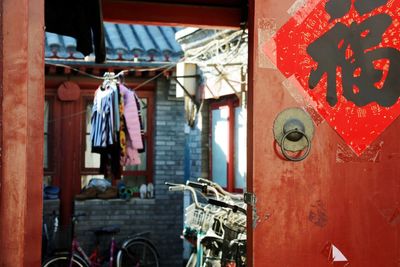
[(63, 261), (137, 253)]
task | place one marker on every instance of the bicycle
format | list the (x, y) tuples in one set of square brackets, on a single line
[(216, 229), (49, 228), (136, 251)]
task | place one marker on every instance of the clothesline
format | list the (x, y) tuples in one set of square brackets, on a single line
[(122, 72), (165, 67)]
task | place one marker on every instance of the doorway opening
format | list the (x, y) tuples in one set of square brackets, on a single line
[(192, 85)]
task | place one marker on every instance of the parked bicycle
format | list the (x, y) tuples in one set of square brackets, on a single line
[(136, 250), (216, 229), (49, 229)]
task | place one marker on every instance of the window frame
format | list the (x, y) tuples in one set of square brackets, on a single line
[(51, 147), (231, 102)]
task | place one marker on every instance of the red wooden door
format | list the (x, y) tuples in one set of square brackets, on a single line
[(334, 207)]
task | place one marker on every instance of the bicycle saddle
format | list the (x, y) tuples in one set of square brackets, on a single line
[(109, 229)]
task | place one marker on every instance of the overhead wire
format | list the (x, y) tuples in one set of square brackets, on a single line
[(194, 54), (114, 76)]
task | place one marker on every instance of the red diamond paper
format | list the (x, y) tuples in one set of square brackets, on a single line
[(358, 124)]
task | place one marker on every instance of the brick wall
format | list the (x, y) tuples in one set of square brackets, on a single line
[(135, 216), (163, 215), (198, 141), (169, 158)]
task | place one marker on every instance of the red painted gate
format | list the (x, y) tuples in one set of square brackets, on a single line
[(338, 61)]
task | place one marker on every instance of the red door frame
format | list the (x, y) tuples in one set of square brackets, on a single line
[(22, 97), (200, 13)]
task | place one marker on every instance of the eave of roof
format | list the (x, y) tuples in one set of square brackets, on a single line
[(126, 44)]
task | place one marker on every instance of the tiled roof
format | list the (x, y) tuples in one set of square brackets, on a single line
[(124, 42)]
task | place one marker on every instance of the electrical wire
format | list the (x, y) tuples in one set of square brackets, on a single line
[(194, 54), (169, 66)]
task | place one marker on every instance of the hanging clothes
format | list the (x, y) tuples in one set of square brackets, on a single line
[(122, 127), (139, 108), (82, 20), (133, 135), (102, 120), (117, 129), (105, 128)]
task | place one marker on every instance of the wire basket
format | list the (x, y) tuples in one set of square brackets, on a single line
[(232, 230), (197, 218)]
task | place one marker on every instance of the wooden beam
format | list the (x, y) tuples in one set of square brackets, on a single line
[(22, 98), (136, 12)]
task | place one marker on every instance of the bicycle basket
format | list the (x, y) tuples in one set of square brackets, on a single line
[(197, 218), (232, 232)]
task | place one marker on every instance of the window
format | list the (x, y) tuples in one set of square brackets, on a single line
[(228, 145), (134, 175), (91, 161), (46, 135), (47, 179), (240, 156)]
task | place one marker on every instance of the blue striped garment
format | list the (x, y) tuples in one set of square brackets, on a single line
[(102, 119)]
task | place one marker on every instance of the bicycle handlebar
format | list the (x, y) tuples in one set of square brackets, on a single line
[(220, 189), (171, 184), (182, 187), (234, 208), (205, 188), (200, 186), (176, 188)]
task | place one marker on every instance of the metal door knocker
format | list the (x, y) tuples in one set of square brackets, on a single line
[(293, 132)]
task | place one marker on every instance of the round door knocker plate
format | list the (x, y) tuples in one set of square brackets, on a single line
[(293, 131)]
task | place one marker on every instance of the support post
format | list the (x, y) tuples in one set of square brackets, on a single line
[(21, 131)]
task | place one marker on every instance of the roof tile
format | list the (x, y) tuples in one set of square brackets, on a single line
[(124, 42)]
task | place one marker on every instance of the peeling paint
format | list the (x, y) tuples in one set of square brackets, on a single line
[(295, 90), (394, 156), (266, 29), (256, 218), (299, 10), (334, 255), (297, 5), (267, 215), (317, 214), (344, 154), (388, 207)]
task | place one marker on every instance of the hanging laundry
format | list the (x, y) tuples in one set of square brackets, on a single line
[(134, 140), (102, 120), (82, 20), (139, 108), (117, 131), (105, 135)]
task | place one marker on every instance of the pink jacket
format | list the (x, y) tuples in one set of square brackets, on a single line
[(134, 137)]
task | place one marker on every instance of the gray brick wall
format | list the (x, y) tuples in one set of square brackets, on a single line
[(132, 217), (198, 141), (169, 159)]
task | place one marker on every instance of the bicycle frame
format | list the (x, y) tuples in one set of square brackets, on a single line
[(93, 259)]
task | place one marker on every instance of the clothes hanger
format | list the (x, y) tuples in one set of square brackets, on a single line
[(108, 78)]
